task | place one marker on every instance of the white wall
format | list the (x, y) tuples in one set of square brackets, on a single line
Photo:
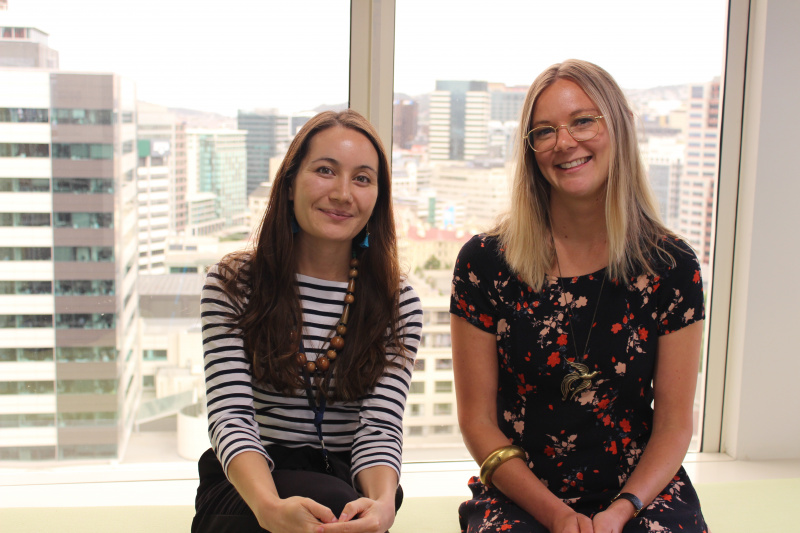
[(762, 396)]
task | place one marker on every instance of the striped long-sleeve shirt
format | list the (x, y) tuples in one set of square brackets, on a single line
[(246, 416)]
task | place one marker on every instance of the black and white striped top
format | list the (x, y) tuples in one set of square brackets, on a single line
[(245, 416)]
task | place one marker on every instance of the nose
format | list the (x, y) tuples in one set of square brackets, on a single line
[(564, 138), (341, 190)]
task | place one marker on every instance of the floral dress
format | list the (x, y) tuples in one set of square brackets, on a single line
[(583, 437)]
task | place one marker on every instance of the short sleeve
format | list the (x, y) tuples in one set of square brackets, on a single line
[(680, 297), (473, 296)]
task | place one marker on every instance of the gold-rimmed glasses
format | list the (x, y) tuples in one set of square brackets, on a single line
[(583, 128)]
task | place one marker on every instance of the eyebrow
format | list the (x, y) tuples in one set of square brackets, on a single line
[(589, 111), (335, 162)]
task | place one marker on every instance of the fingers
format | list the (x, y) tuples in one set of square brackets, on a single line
[(585, 524), (355, 507), (361, 516), (319, 511)]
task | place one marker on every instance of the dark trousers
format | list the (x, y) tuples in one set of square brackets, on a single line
[(220, 509)]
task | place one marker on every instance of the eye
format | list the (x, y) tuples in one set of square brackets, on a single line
[(542, 132), (325, 170), (363, 178), (583, 122)]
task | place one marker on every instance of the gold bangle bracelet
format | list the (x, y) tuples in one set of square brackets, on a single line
[(496, 458)]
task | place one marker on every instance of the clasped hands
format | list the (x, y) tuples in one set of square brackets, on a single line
[(612, 520), (303, 515)]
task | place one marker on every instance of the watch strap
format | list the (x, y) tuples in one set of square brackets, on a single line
[(636, 502)]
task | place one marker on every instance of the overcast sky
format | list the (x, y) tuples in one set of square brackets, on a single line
[(222, 55)]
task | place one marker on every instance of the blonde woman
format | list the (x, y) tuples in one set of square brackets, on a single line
[(576, 329)]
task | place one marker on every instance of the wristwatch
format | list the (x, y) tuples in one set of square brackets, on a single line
[(636, 502)]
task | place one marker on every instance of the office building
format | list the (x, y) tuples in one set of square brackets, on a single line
[(216, 180), (697, 187), (69, 360), (459, 120), (267, 136)]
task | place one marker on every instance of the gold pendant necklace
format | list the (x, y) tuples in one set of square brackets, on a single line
[(580, 378)]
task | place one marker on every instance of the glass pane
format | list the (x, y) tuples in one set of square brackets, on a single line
[(163, 117), (456, 110)]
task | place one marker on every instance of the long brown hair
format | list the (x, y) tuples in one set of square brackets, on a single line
[(635, 229), (264, 278)]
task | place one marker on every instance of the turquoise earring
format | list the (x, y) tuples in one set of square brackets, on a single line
[(365, 242)]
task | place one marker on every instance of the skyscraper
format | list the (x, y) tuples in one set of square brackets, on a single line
[(217, 179), (697, 188), (459, 120), (69, 360), (267, 136)]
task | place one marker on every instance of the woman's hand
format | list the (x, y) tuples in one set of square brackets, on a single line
[(294, 515), (614, 518), (363, 516), (572, 522)]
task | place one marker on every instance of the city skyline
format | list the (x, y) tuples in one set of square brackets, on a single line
[(253, 55)]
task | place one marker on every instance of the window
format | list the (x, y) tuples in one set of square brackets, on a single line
[(26, 287), (82, 116), (22, 115), (443, 409), (24, 184), (24, 219), (463, 117), (415, 431), (84, 253), (417, 387), (24, 150), (83, 186), (87, 386), (154, 355), (411, 133), (85, 321), (97, 287), (443, 386), (26, 321), (25, 354), (444, 364), (84, 220), (86, 354), (82, 151)]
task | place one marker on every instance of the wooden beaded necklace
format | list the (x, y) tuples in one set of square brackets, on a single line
[(323, 362)]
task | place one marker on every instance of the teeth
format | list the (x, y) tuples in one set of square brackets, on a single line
[(575, 163)]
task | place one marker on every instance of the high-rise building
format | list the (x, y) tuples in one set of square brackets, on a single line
[(507, 101), (404, 127), (459, 120), (157, 180), (697, 187), (663, 156), (70, 377), (216, 179), (267, 136)]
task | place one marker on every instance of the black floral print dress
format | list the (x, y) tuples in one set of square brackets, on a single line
[(585, 447)]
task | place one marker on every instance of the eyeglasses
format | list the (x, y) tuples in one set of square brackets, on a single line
[(581, 129)]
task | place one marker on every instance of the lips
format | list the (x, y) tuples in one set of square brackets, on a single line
[(335, 213), (574, 163)]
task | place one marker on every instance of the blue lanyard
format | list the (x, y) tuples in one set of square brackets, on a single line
[(318, 410)]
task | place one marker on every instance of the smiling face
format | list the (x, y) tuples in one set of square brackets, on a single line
[(336, 187), (573, 169)]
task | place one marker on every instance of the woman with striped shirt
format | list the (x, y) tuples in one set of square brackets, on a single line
[(309, 342)]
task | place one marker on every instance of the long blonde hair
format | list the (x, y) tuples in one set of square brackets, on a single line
[(634, 226)]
